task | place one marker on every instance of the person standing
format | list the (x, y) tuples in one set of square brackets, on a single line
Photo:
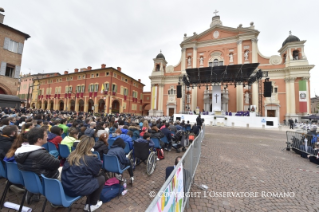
[(199, 121), (291, 123)]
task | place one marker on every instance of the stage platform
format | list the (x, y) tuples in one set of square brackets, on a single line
[(236, 121)]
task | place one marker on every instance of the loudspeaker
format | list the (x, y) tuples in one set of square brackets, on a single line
[(179, 91), (267, 89)]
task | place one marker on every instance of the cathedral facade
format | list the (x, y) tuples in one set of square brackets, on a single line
[(220, 45)]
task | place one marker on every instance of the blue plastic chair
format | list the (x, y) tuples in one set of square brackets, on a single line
[(98, 154), (46, 146), (64, 150), (33, 184), (3, 173), (156, 143), (63, 135), (188, 128), (165, 140), (111, 141), (54, 193), (127, 148), (112, 164), (51, 146), (72, 148), (14, 176)]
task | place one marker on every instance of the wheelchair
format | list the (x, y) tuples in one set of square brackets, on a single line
[(143, 153)]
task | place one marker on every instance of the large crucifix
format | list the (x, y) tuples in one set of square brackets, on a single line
[(216, 95), (216, 12)]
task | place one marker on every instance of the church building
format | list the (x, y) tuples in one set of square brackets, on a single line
[(289, 72)]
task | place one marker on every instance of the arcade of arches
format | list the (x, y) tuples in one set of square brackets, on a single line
[(98, 106)]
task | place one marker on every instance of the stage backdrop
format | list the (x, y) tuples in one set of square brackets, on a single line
[(216, 98)]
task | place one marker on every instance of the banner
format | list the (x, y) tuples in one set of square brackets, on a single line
[(216, 98), (154, 97), (303, 96), (171, 199)]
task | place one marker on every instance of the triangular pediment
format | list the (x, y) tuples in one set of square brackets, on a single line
[(219, 32)]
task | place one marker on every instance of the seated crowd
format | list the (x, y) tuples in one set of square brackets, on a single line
[(23, 137)]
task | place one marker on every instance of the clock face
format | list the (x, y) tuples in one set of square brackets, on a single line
[(216, 34)]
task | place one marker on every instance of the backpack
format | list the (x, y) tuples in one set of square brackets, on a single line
[(109, 192), (191, 137), (112, 181), (160, 154)]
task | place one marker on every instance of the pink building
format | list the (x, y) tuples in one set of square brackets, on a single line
[(26, 83)]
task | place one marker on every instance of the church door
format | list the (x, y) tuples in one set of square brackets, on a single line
[(271, 113), (170, 111)]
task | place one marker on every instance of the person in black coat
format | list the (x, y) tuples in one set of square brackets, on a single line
[(102, 146), (168, 135), (199, 121), (81, 174), (117, 149), (33, 157), (195, 129), (9, 133)]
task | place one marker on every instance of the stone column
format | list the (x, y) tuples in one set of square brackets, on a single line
[(183, 60), (194, 57), (86, 105), (160, 97), (254, 50), (194, 99), (287, 96), (239, 97), (292, 96), (239, 52), (76, 106), (308, 95), (107, 104), (255, 94), (96, 105)]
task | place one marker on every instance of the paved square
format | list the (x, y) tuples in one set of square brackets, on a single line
[(251, 160)]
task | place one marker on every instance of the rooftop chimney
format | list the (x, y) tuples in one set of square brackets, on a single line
[(139, 80), (1, 18), (103, 66), (66, 72), (1, 15), (56, 74), (119, 69), (76, 70), (48, 75), (89, 68)]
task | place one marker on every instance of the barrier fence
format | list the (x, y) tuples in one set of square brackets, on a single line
[(171, 195), (302, 143)]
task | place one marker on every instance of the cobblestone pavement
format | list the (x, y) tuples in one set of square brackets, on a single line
[(137, 198), (246, 160)]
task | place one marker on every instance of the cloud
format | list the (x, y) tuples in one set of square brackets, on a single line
[(129, 34)]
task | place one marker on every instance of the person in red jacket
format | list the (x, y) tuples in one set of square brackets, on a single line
[(55, 136)]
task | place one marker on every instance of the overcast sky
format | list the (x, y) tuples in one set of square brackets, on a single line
[(69, 34)]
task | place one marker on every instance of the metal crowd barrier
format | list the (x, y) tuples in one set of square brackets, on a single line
[(190, 161), (301, 143)]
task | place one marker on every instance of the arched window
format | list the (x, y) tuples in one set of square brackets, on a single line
[(157, 67), (215, 62), (295, 55)]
